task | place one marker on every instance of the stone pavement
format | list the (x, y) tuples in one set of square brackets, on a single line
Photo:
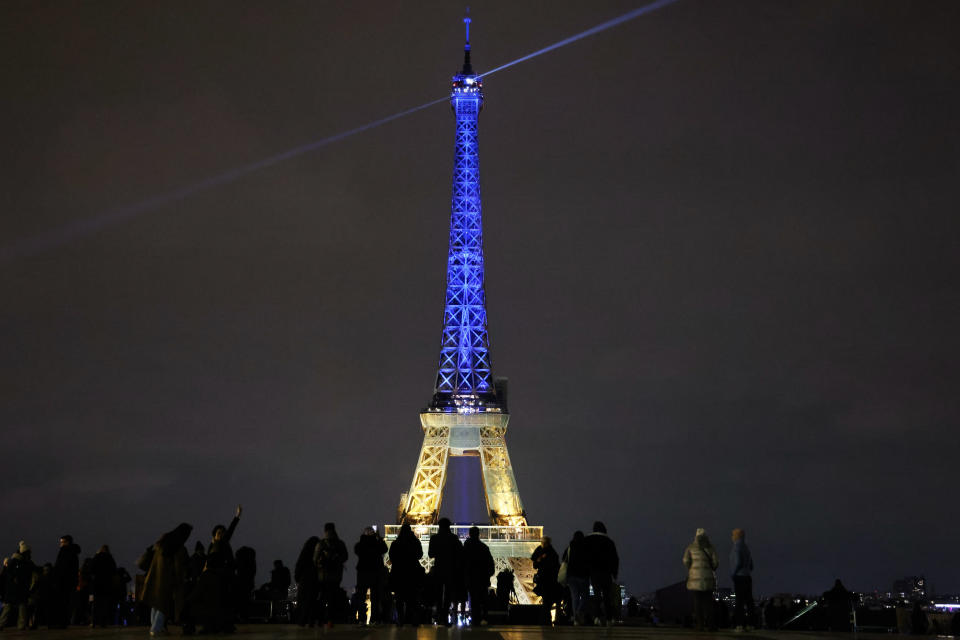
[(344, 632)]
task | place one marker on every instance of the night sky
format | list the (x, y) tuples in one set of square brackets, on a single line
[(722, 258)]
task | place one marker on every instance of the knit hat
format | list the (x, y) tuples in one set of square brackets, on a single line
[(23, 546), (700, 533)]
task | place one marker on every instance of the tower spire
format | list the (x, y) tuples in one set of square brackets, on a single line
[(467, 68)]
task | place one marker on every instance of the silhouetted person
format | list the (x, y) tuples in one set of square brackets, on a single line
[(66, 575), (700, 559), (838, 603), (578, 575), (406, 574), (546, 562), (370, 549), (103, 573), (308, 583), (16, 576), (478, 568), (330, 556), (604, 566), (741, 569), (163, 586), (245, 580), (447, 572), (198, 559), (504, 588), (222, 556), (279, 580)]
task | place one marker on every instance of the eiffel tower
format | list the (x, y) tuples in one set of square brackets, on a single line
[(468, 415)]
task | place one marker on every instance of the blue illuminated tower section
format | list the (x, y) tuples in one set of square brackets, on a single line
[(464, 382)]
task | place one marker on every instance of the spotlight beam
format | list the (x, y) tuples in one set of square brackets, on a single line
[(63, 234)]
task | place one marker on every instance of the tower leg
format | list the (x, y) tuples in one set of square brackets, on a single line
[(426, 491), (499, 483)]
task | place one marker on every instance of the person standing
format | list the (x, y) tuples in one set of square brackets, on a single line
[(66, 576), (17, 576), (604, 566), (546, 562), (741, 570), (447, 572), (478, 568), (166, 577), (220, 555), (370, 550), (308, 583), (578, 575), (330, 556), (700, 559), (406, 574), (103, 571)]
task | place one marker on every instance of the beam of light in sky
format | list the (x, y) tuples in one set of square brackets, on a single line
[(63, 234), (630, 15)]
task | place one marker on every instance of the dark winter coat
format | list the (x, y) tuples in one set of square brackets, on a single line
[(405, 569), (575, 556), (741, 562), (601, 554), (17, 578), (163, 586), (66, 569), (103, 570), (330, 556), (370, 550), (478, 565), (446, 551), (547, 564), (305, 571)]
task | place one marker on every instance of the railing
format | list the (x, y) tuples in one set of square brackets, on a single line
[(488, 533)]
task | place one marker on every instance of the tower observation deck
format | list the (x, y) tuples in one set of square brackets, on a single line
[(467, 414)]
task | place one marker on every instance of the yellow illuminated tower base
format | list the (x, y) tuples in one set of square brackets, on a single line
[(463, 434)]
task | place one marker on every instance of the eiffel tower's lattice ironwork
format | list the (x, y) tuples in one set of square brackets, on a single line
[(468, 413)]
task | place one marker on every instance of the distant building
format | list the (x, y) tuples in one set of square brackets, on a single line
[(910, 588)]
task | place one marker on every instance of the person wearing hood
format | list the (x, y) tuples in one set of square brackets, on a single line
[(66, 576), (370, 550), (604, 566), (741, 568), (17, 575), (103, 571), (701, 561), (163, 587)]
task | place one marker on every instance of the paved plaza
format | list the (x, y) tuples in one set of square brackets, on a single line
[(345, 632)]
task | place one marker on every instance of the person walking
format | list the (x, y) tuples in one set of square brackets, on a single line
[(578, 575), (478, 568), (546, 563), (447, 572), (163, 585), (103, 571), (308, 583), (604, 566), (741, 570), (370, 550), (330, 556), (406, 575), (700, 559)]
